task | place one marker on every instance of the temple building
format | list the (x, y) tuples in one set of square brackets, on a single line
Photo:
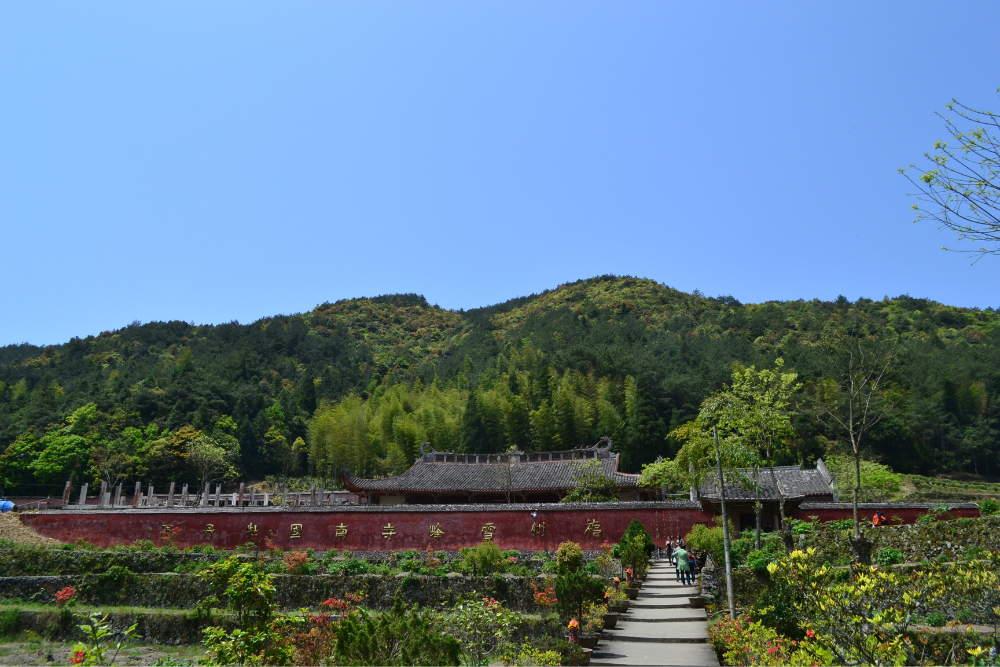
[(798, 486), (513, 477), (546, 477)]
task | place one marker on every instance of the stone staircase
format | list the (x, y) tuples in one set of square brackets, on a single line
[(659, 628)]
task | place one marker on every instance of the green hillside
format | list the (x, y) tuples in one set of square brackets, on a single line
[(362, 381)]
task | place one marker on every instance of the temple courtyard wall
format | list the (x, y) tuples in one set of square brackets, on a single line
[(525, 527)]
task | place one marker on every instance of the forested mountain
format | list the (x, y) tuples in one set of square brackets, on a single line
[(362, 382)]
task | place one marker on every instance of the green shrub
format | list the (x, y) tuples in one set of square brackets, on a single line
[(775, 608), (758, 561), (974, 552), (574, 590), (889, 556), (483, 560), (115, 582), (771, 548), (989, 507), (400, 636), (570, 654), (707, 539), (841, 524), (550, 567), (10, 622), (570, 557), (800, 527), (484, 629), (936, 619), (740, 549), (634, 556), (249, 591), (636, 528)]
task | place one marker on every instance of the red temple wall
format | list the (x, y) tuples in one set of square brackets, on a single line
[(364, 529), (908, 514), (462, 526)]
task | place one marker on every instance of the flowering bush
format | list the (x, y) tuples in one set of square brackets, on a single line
[(483, 627), (744, 642), (605, 562), (525, 655), (168, 534), (593, 617), (545, 596), (614, 593), (337, 605), (295, 562), (101, 644), (574, 631), (310, 639), (65, 596), (867, 618)]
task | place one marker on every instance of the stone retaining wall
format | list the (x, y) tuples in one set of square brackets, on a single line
[(184, 591)]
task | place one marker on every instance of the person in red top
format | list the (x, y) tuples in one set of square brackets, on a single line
[(878, 519)]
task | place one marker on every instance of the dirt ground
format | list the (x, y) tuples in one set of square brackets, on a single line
[(12, 529), (26, 649)]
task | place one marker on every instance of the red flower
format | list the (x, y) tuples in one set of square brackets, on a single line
[(77, 658), (810, 633), (65, 595)]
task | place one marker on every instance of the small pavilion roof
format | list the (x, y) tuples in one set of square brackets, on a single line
[(444, 472), (794, 482)]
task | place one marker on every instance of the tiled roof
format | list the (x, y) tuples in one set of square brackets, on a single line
[(794, 482), (515, 473)]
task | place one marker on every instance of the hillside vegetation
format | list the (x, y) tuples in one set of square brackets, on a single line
[(361, 382)]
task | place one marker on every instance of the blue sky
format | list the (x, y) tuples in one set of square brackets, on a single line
[(219, 161)]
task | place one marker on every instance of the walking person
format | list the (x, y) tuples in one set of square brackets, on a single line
[(683, 567)]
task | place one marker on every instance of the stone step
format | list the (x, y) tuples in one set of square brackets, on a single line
[(667, 594), (668, 615), (658, 603), (659, 633), (641, 653)]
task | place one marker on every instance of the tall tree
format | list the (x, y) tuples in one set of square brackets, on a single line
[(853, 398), (760, 412), (704, 454), (960, 188)]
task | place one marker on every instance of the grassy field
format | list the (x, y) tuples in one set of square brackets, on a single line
[(29, 648)]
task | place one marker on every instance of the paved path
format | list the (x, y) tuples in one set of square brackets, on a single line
[(659, 628)]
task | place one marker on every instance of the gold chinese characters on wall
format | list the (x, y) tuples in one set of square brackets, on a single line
[(436, 531), (251, 530), (487, 530), (388, 531), (341, 531), (296, 531), (538, 529), (593, 528)]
